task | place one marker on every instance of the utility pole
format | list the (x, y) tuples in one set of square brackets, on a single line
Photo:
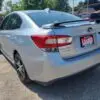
[(87, 6)]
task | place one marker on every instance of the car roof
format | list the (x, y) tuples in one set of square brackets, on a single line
[(39, 11)]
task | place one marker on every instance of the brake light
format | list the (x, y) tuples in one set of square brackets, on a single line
[(52, 41)]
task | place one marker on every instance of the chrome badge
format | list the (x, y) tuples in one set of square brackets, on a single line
[(90, 29)]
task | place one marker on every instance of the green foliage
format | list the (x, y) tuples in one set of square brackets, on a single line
[(29, 4), (61, 5), (14, 7), (42, 4), (1, 4), (80, 6), (17, 7)]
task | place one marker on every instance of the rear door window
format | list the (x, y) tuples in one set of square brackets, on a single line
[(14, 22), (4, 23)]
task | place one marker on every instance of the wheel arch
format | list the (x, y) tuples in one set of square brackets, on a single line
[(15, 52)]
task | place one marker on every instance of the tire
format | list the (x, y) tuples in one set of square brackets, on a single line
[(0, 49), (20, 68)]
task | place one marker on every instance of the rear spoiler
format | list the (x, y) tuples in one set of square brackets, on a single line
[(57, 24), (52, 25)]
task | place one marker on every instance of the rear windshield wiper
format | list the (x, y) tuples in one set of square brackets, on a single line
[(52, 25)]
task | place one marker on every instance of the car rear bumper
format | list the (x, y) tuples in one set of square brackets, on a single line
[(59, 68)]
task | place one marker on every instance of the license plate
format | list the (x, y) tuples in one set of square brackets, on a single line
[(87, 40)]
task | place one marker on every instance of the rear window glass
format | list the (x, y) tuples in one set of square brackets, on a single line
[(42, 18)]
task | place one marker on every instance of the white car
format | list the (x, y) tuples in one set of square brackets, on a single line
[(45, 45)]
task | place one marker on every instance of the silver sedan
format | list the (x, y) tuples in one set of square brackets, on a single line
[(45, 45)]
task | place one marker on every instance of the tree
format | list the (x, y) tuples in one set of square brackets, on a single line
[(42, 4), (14, 7), (31, 4), (18, 6), (63, 5), (1, 4), (80, 7)]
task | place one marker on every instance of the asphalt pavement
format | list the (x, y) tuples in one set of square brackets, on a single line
[(84, 86)]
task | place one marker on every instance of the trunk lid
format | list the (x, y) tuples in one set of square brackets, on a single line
[(82, 33)]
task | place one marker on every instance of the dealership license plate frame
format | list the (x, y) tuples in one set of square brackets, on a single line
[(87, 40)]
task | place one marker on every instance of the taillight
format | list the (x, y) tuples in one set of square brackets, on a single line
[(51, 42)]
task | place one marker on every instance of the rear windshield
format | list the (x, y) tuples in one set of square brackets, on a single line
[(42, 18)]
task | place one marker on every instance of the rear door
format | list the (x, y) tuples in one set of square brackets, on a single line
[(84, 39), (13, 25), (3, 32)]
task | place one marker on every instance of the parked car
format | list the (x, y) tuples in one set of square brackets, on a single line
[(96, 16), (46, 45)]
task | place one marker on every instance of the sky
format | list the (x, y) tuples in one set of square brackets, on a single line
[(4, 3), (15, 1)]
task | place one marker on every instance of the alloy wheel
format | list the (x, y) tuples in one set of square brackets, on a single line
[(20, 68)]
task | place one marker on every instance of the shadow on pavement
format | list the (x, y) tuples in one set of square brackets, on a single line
[(83, 86)]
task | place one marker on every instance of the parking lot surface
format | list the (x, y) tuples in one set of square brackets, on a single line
[(84, 86)]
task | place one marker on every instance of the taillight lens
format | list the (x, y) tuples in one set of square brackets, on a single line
[(51, 42)]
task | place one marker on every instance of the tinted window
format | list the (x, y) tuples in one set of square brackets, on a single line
[(4, 23), (14, 22), (41, 18)]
